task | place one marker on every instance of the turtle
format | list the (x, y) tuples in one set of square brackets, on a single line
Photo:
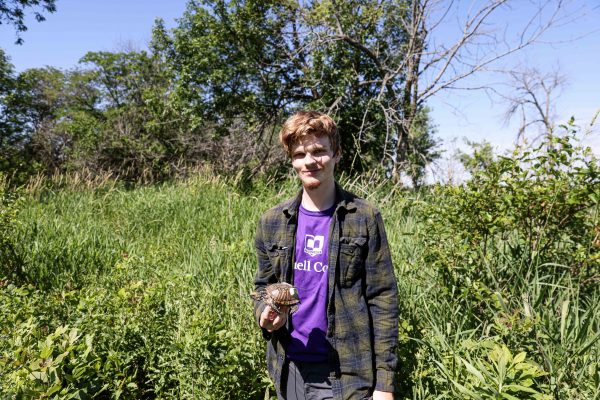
[(277, 295)]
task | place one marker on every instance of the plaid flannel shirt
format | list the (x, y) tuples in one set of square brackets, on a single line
[(362, 307)]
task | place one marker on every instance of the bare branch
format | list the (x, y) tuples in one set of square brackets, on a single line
[(533, 95)]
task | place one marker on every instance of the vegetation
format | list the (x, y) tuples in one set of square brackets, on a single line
[(123, 294), (143, 293), (514, 257), (214, 90), (12, 12), (9, 204), (117, 291)]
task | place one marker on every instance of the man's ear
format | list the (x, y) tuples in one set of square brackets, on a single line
[(338, 156)]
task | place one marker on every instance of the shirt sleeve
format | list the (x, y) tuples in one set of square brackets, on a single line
[(264, 274), (382, 300)]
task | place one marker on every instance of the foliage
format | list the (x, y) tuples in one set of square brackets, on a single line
[(510, 251), (118, 114), (122, 338), (537, 201), (216, 89), (421, 148), (12, 12), (138, 131), (6, 81), (38, 107), (107, 265), (108, 116), (11, 131), (495, 374), (10, 261), (497, 301), (257, 62), (481, 159)]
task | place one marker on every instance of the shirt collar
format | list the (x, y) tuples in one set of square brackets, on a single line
[(343, 199)]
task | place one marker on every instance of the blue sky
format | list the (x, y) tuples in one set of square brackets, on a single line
[(80, 26), (574, 48)]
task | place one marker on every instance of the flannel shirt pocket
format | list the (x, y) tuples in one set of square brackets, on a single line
[(351, 259), (276, 254)]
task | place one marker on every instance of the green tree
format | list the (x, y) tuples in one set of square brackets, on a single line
[(6, 84), (12, 12), (39, 95), (141, 134), (27, 101), (232, 63), (256, 62), (112, 113), (481, 158), (7, 126), (35, 106), (6, 73), (355, 84), (422, 148)]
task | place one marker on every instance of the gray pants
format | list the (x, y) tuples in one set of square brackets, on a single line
[(306, 381)]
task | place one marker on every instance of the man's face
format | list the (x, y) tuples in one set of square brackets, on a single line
[(314, 161)]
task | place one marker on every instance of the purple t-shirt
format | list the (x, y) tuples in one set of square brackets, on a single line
[(309, 323)]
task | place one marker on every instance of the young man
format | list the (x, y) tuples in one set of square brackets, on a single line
[(332, 246)]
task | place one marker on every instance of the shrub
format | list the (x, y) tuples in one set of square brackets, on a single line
[(508, 249), (10, 262)]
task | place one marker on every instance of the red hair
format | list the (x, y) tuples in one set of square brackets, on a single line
[(304, 123)]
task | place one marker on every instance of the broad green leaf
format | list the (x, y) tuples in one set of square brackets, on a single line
[(466, 391), (53, 389), (46, 350), (60, 357), (519, 357), (473, 370), (73, 336)]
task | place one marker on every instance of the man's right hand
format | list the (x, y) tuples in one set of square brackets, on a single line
[(271, 320)]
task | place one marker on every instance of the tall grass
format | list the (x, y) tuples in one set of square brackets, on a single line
[(185, 248), (143, 293)]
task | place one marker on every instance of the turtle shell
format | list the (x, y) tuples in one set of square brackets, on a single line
[(282, 294), (278, 295)]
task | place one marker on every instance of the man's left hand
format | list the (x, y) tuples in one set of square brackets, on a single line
[(378, 395)]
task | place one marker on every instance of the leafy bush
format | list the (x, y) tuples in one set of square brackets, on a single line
[(488, 370), (10, 262), (126, 338), (508, 250), (538, 207)]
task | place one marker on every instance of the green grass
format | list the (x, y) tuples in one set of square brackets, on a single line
[(155, 282)]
